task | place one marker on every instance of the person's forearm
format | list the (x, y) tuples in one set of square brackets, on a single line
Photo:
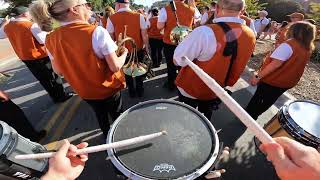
[(270, 68), (145, 40), (53, 176)]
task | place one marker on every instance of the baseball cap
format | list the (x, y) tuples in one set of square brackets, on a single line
[(264, 12), (296, 15), (122, 1)]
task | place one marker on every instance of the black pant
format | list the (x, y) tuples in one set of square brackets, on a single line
[(15, 117), (51, 82), (138, 88), (156, 46), (171, 68), (264, 97), (205, 107), (107, 110)]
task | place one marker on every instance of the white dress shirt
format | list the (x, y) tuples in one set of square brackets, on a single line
[(204, 18), (110, 27), (101, 41), (35, 30), (282, 52), (200, 44)]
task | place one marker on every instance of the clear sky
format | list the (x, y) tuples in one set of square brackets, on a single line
[(145, 2)]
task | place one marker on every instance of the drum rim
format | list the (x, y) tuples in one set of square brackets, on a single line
[(294, 125), (133, 175)]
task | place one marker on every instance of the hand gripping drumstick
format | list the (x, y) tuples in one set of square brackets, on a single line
[(246, 119), (98, 148)]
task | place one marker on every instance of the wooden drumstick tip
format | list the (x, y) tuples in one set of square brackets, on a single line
[(164, 132)]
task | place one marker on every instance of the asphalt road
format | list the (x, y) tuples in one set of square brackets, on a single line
[(76, 121)]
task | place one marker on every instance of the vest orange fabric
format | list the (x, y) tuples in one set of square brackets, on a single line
[(217, 66), (132, 20), (88, 75), (185, 15), (281, 36), (104, 22), (153, 31), (289, 74), (24, 44), (246, 19)]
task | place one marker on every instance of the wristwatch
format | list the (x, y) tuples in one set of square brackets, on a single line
[(257, 77)]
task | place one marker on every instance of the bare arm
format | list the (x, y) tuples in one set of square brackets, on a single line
[(115, 63), (270, 68)]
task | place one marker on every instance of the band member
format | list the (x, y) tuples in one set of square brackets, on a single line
[(167, 21), (85, 57), (206, 46), (155, 39), (281, 35), (211, 13), (249, 22), (283, 69), (262, 22), (294, 17), (15, 117), (205, 15), (136, 29), (108, 11), (27, 40)]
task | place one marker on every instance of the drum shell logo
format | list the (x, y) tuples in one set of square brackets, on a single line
[(164, 167)]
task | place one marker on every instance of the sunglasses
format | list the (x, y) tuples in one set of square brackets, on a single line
[(87, 4)]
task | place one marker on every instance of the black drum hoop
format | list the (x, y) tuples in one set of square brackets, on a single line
[(300, 131), (135, 175)]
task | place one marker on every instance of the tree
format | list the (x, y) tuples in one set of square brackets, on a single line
[(315, 12), (253, 6), (279, 9)]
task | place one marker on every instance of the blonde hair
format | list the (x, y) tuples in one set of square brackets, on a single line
[(108, 11), (43, 11), (304, 33)]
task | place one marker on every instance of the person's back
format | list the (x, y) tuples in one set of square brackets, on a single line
[(185, 14), (80, 64), (22, 40), (132, 21)]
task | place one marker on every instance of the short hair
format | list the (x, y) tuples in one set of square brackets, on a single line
[(233, 5)]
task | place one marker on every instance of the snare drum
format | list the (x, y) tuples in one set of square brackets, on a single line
[(188, 150), (298, 120)]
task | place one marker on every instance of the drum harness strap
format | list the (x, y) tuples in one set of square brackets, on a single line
[(231, 49)]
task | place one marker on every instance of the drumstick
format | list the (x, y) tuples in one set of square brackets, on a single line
[(246, 119), (98, 148)]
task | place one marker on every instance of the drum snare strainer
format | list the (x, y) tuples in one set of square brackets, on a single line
[(188, 151)]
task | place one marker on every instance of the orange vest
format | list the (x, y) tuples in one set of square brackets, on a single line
[(153, 31), (217, 67), (289, 74), (132, 20), (246, 19), (88, 75), (104, 22), (281, 36), (24, 44), (185, 15)]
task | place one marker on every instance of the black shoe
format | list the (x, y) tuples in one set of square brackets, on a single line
[(64, 98), (40, 135)]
